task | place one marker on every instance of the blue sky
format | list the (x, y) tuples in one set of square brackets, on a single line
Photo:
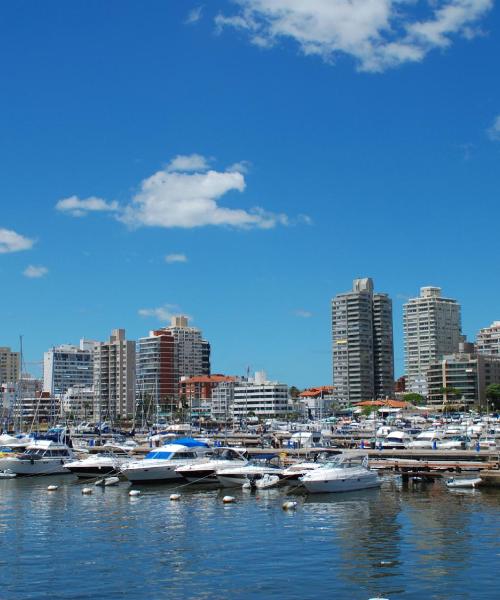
[(272, 155)]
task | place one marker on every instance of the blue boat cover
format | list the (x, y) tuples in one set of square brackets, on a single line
[(189, 442)]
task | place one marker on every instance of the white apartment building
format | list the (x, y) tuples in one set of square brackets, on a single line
[(67, 366), (261, 398), (78, 402), (114, 377), (9, 365), (488, 340), (221, 408), (432, 329)]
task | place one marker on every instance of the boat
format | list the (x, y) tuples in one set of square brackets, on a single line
[(41, 457), (206, 471), (110, 460), (249, 473), (346, 473), (7, 475), (463, 482), (15, 442), (427, 439), (161, 464), (396, 440), (265, 482), (294, 472)]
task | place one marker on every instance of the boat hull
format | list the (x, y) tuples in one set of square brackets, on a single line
[(91, 472), (37, 467), (330, 486), (152, 474)]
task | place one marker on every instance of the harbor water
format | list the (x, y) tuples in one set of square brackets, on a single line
[(420, 541)]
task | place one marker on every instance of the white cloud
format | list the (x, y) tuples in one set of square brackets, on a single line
[(194, 15), (35, 272), (10, 241), (378, 34), (162, 313), (80, 208), (494, 130), (303, 314), (191, 162), (176, 258), (186, 194)]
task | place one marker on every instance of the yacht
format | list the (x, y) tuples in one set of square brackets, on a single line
[(206, 472), (396, 440), (41, 457), (249, 473), (427, 439), (15, 442), (161, 463), (110, 460), (294, 472), (346, 473)]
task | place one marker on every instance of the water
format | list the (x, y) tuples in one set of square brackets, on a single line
[(424, 542)]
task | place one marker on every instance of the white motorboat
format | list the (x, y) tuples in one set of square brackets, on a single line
[(41, 457), (346, 473), (15, 442), (110, 460), (249, 473), (396, 440), (161, 463), (206, 471), (427, 439)]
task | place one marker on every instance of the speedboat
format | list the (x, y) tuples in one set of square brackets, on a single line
[(249, 473), (206, 472), (464, 482), (294, 472), (161, 464), (427, 439), (346, 473), (396, 440), (110, 460), (41, 457)]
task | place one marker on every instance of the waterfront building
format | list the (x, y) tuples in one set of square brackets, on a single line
[(67, 366), (32, 410), (461, 379), (432, 329), (78, 403), (197, 392), (114, 377), (13, 392), (163, 358), (488, 340), (318, 402), (363, 356), (9, 365), (221, 408), (257, 396)]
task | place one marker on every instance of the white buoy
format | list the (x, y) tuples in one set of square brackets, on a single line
[(134, 493), (289, 505), (87, 491), (175, 496), (52, 488), (228, 499)]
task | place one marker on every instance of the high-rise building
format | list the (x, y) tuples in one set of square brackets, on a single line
[(9, 365), (432, 329), (363, 357), (67, 366), (163, 358), (488, 340), (114, 377)]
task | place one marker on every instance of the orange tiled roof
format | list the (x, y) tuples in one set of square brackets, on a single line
[(388, 403), (316, 391)]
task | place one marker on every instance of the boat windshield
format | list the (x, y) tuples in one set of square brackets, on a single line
[(347, 462), (158, 454)]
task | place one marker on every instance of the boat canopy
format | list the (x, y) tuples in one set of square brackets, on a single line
[(191, 443)]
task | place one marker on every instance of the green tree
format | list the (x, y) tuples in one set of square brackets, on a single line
[(366, 411), (493, 395), (414, 398), (294, 392)]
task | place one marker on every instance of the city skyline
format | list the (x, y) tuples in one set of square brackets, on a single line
[(159, 160)]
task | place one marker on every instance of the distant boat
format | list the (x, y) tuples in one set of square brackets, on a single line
[(464, 482)]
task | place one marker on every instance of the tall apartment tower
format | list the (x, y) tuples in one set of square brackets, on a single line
[(363, 356), (9, 365), (487, 340), (114, 377), (432, 329), (68, 366), (167, 355)]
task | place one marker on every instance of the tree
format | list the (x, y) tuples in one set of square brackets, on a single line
[(366, 411), (294, 392), (447, 392), (493, 395), (414, 398)]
